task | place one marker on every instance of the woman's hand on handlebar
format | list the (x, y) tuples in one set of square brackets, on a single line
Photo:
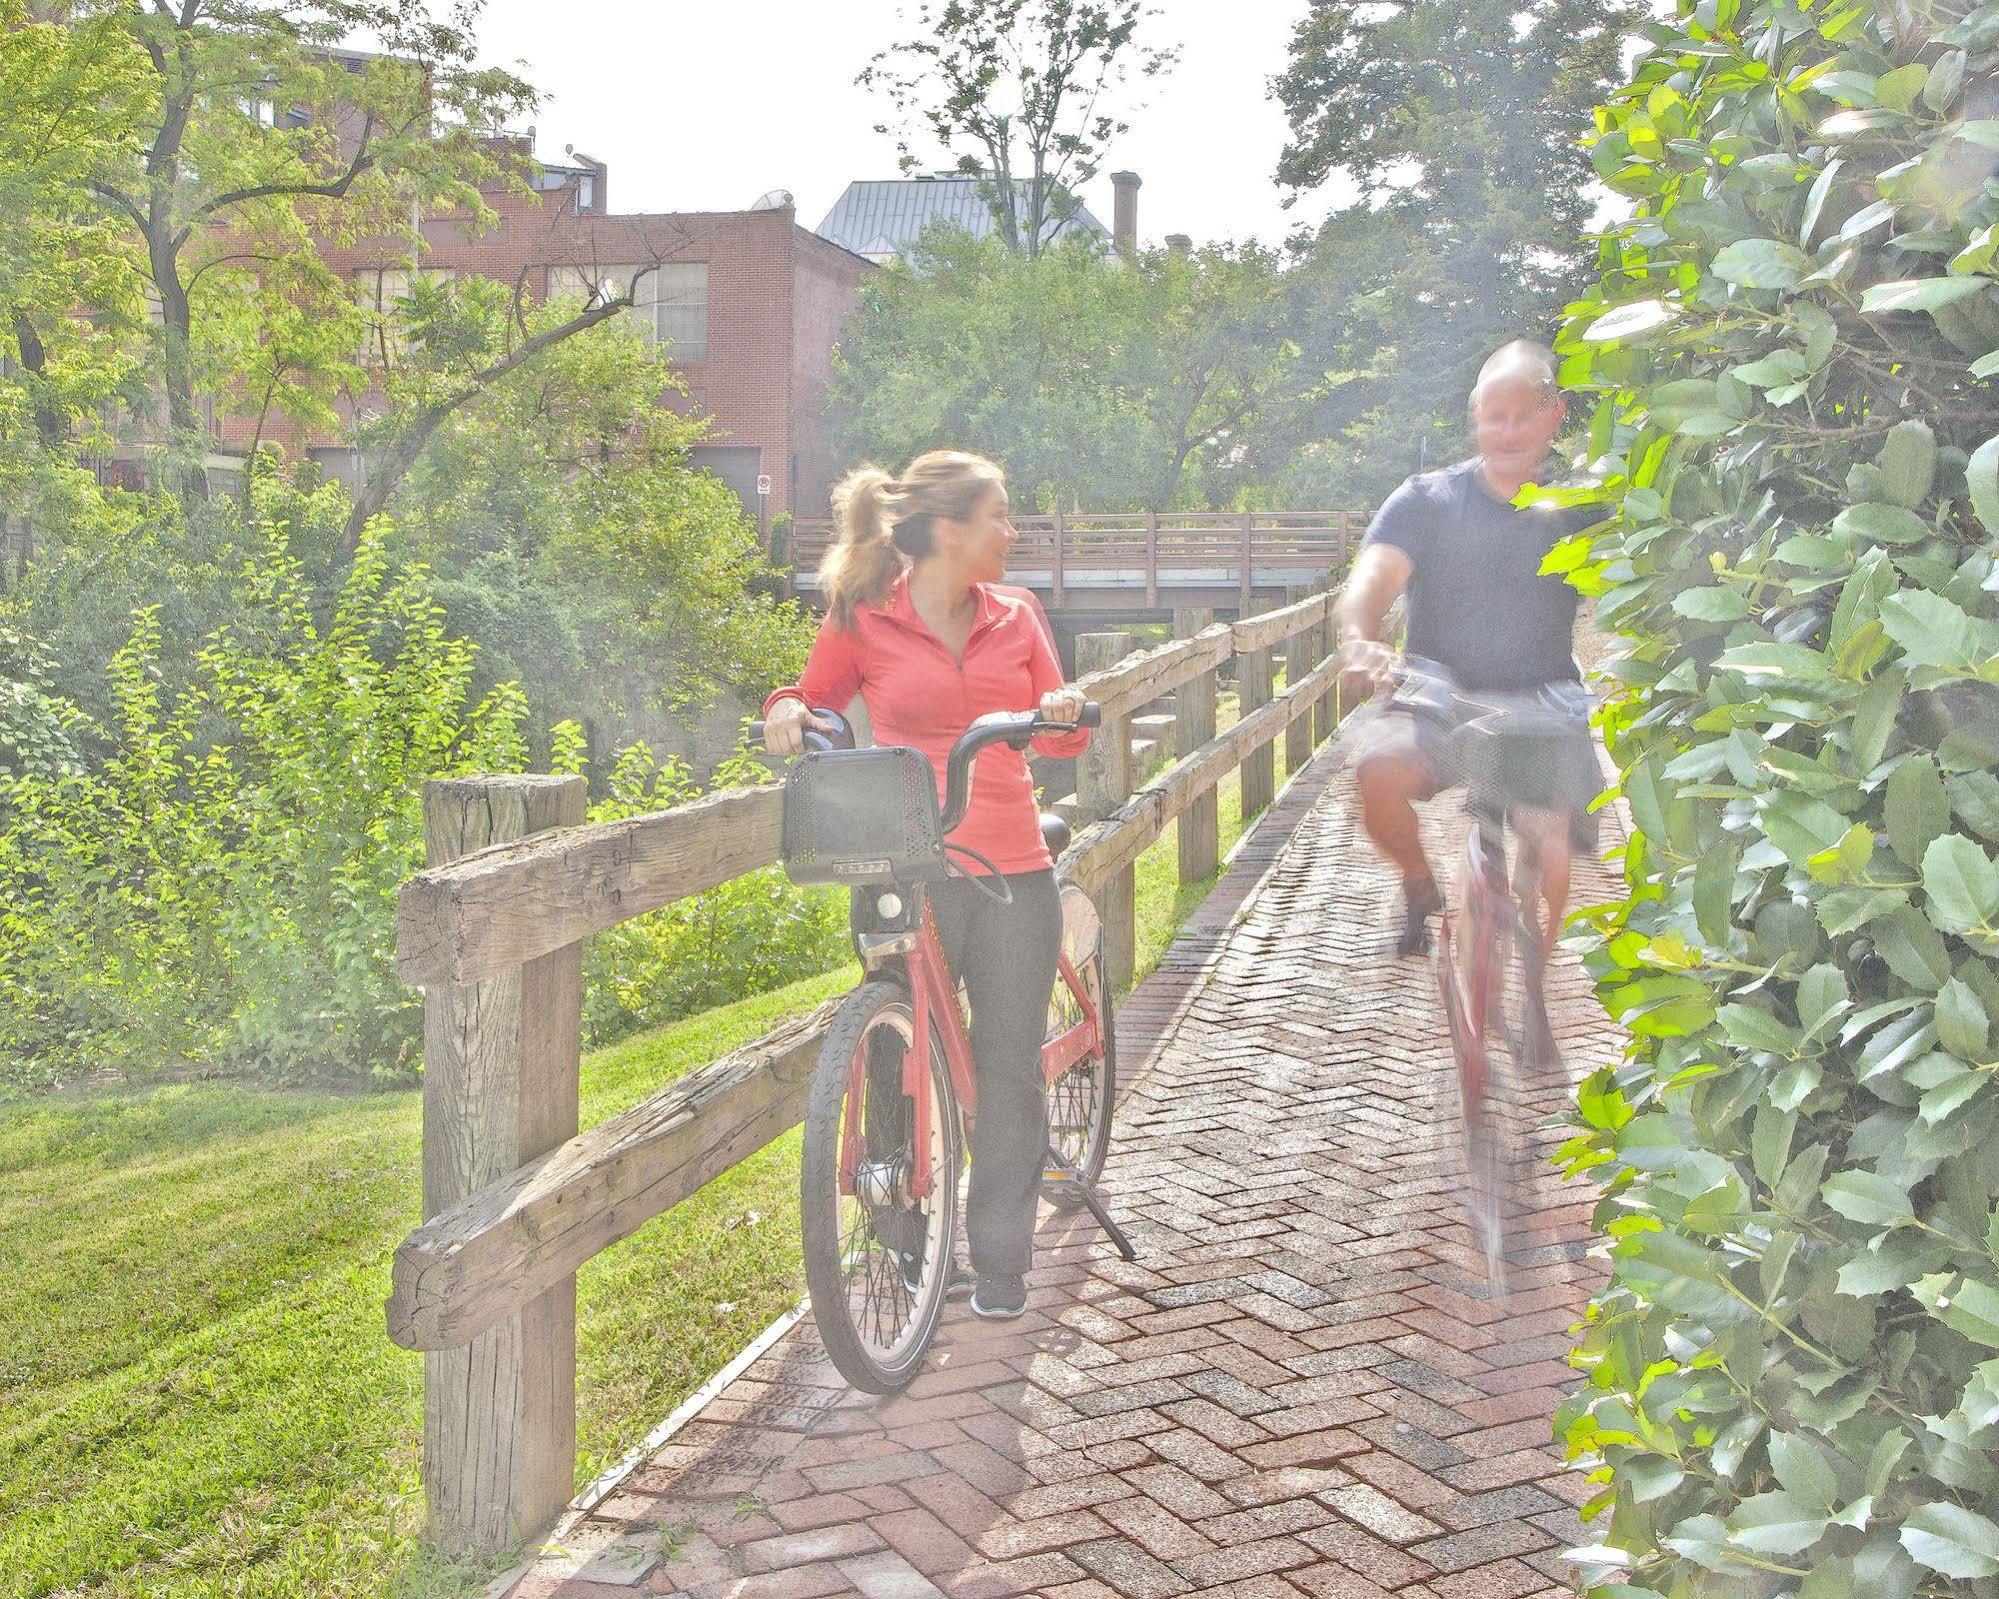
[(789, 721), (1063, 705)]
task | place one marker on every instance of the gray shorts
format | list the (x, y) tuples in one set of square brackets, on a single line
[(1429, 742)]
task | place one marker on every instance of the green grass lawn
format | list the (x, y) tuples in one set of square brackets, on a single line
[(197, 1396)]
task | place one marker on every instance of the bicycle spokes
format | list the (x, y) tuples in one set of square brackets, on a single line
[(890, 1264)]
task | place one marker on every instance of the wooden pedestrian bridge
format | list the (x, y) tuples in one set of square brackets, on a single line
[(1145, 564), (1303, 1385)]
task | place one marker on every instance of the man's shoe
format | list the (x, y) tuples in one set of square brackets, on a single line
[(999, 1298), (1420, 901)]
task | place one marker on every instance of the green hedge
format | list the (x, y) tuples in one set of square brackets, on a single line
[(1793, 1374)]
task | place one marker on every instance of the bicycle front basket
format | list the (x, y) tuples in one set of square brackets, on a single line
[(862, 816)]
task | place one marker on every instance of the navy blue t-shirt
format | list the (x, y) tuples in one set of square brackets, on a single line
[(1477, 602)]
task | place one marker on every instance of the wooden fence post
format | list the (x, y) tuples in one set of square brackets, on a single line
[(1055, 575), (1103, 783), (1300, 656), (1199, 825), (1151, 560), (1259, 767), (499, 1088), (1326, 714)]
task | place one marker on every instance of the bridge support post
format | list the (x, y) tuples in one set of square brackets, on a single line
[(499, 1088), (1103, 783), (1199, 825), (1259, 766), (1300, 656), (1248, 573)]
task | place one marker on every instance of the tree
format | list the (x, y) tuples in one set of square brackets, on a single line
[(1460, 122), (1790, 1379), (574, 539), (1094, 382), (1019, 91), (59, 371)]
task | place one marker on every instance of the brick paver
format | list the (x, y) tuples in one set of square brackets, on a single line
[(1304, 1386)]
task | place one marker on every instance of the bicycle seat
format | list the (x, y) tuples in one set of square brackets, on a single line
[(1055, 832)]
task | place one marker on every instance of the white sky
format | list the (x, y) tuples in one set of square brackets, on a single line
[(705, 107)]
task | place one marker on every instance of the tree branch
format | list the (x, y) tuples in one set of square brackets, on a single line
[(333, 191)]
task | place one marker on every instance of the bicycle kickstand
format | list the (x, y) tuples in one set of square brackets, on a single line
[(1116, 1233)]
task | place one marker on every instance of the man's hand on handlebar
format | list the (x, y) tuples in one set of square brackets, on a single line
[(789, 721), (1367, 667)]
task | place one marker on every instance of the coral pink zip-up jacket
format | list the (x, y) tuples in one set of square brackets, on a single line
[(918, 693)]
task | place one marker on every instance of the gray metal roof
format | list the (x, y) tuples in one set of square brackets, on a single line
[(884, 218)]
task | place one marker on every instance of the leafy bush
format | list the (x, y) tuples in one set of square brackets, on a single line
[(220, 890), (740, 938), (1793, 1375)]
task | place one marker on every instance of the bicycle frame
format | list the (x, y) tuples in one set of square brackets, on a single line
[(934, 1004)]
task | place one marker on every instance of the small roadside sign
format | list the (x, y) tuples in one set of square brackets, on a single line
[(763, 483)]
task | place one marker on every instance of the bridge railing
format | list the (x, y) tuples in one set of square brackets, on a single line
[(516, 1198), (1226, 549)]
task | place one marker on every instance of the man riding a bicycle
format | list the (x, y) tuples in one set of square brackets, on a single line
[(1466, 561)]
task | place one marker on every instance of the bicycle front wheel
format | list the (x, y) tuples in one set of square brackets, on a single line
[(878, 1256), (1463, 985)]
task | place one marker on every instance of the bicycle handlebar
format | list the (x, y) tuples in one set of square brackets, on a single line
[(1017, 728)]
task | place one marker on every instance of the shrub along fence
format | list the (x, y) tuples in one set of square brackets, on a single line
[(516, 1199), (1793, 1376)]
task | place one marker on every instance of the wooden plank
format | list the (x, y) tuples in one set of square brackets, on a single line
[(498, 907), (1136, 680), (1299, 659), (1273, 627), (499, 1089), (1259, 766), (1103, 783), (468, 1268), (1199, 830), (1152, 560)]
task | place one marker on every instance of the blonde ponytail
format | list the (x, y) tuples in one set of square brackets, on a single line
[(882, 521)]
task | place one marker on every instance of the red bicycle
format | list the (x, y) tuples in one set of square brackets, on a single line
[(894, 1096), (1511, 751)]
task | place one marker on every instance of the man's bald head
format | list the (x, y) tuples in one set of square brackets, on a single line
[(1522, 361)]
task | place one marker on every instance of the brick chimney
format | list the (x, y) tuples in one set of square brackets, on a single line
[(1124, 217), (1179, 244)]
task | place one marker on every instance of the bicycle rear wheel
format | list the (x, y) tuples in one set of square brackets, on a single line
[(1081, 1099), (878, 1260)]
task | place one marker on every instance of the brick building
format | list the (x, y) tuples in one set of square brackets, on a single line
[(749, 302)]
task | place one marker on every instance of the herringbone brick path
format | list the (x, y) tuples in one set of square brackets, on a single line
[(1303, 1387)]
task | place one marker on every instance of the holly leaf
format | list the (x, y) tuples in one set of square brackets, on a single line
[(1961, 884), (1951, 1540)]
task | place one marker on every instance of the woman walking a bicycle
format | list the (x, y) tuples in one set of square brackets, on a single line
[(917, 626)]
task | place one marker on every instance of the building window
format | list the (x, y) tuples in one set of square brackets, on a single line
[(377, 290), (670, 302), (586, 190), (680, 305)]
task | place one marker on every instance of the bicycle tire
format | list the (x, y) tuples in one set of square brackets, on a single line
[(1478, 1133), (873, 1352), (1083, 1099)]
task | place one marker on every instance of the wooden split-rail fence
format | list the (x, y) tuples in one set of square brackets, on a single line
[(517, 1199)]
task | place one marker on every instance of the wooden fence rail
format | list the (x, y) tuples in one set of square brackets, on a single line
[(517, 1200)]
